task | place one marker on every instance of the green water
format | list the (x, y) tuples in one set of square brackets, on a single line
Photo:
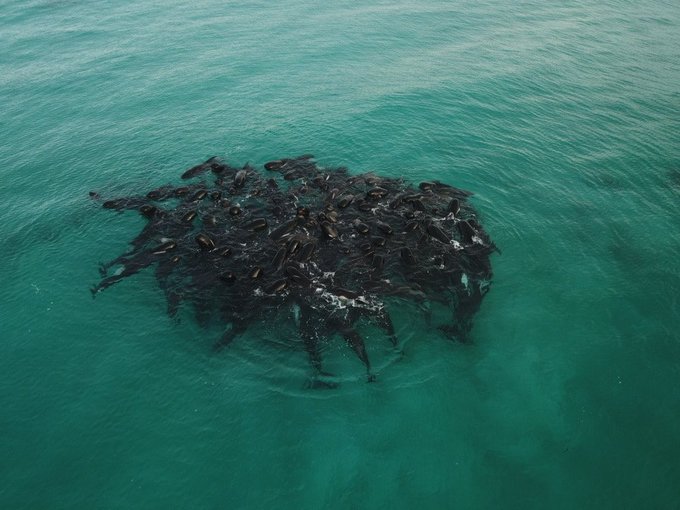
[(563, 118)]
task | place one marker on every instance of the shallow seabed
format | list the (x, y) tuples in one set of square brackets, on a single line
[(563, 118)]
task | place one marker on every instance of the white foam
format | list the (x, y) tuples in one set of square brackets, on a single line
[(296, 314)]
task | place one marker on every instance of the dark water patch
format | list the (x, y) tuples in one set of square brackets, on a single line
[(674, 178), (607, 180)]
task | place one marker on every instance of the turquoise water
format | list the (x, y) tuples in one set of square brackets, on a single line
[(563, 118)]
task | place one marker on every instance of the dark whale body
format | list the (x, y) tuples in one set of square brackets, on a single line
[(339, 248)]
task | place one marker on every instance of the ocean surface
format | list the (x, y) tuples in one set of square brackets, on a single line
[(562, 117)]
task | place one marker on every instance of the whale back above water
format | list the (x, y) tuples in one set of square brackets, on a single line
[(239, 244)]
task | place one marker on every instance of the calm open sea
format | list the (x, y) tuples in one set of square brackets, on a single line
[(562, 117)]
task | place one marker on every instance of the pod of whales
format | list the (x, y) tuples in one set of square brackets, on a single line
[(238, 244)]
